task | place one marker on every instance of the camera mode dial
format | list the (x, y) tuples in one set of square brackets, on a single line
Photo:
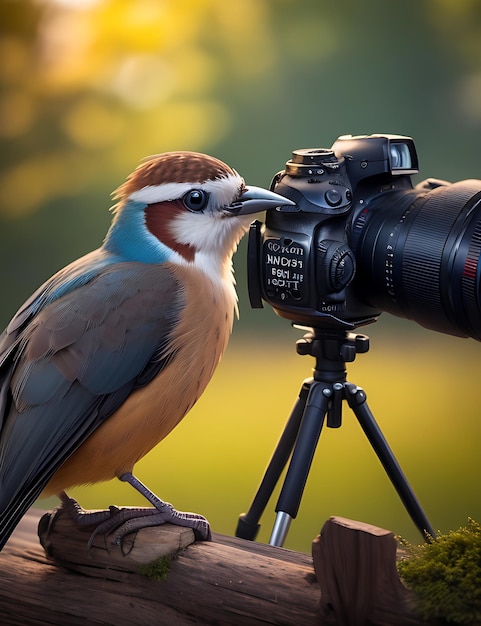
[(313, 162)]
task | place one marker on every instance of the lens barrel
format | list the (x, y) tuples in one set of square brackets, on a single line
[(418, 255)]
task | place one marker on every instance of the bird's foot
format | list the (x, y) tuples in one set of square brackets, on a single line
[(118, 522), (126, 520)]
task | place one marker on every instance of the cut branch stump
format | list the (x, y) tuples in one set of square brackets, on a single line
[(355, 564)]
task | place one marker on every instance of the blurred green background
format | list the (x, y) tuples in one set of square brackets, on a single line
[(89, 87)]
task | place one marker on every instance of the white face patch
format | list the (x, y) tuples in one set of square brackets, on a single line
[(213, 233), (210, 232), (214, 236), (222, 191)]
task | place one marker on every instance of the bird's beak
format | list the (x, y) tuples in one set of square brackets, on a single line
[(256, 200)]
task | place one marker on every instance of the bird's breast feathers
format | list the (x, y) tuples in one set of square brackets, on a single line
[(197, 342)]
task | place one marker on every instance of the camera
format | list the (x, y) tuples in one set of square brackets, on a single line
[(362, 239)]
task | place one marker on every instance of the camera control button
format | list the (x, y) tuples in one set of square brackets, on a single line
[(333, 197)]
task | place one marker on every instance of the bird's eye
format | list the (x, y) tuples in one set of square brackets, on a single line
[(196, 200)]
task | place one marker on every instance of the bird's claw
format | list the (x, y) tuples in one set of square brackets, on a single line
[(127, 520), (118, 522)]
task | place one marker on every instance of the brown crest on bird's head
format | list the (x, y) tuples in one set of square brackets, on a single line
[(173, 167)]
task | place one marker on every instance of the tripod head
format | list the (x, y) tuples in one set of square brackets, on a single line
[(331, 349)]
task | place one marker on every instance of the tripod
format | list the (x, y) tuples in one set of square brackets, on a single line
[(319, 397)]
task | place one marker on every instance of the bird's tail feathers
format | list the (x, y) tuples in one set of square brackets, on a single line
[(12, 512)]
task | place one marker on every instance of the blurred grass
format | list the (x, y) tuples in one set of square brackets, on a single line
[(422, 389)]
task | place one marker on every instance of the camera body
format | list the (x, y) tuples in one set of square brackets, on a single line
[(362, 240)]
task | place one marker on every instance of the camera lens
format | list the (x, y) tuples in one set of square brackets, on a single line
[(418, 255)]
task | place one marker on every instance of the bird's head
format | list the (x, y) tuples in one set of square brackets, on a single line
[(184, 207)]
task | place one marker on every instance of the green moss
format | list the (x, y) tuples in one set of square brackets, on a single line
[(158, 570), (446, 575)]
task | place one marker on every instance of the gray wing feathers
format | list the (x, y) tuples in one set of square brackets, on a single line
[(71, 365)]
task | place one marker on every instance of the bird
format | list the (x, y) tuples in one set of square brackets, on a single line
[(109, 354)]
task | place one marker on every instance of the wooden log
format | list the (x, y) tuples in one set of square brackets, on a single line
[(226, 582), (355, 564)]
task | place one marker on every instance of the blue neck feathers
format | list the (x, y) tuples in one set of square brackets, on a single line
[(129, 238)]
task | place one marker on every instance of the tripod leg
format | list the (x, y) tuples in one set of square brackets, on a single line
[(248, 525), (310, 430), (356, 399)]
